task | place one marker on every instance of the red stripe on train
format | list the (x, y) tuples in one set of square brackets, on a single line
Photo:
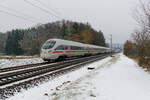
[(57, 52), (75, 51)]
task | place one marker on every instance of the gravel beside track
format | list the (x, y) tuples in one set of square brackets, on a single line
[(45, 72), (28, 66), (21, 67)]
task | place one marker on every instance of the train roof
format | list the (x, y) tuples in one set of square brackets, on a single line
[(76, 43)]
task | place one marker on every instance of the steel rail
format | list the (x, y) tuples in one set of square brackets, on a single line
[(29, 65), (9, 89), (11, 77)]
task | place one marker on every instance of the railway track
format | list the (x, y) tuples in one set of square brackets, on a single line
[(28, 66), (19, 74), (25, 72), (21, 67)]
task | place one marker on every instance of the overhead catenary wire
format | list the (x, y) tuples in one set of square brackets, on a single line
[(56, 12), (8, 13), (18, 12), (46, 11)]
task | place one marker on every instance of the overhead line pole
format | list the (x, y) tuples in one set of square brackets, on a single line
[(111, 43)]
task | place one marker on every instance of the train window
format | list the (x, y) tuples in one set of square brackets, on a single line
[(65, 47), (68, 47), (49, 44), (72, 48), (75, 48), (87, 48), (62, 47), (78, 48), (82, 48)]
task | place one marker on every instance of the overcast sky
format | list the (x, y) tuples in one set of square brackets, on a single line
[(111, 16)]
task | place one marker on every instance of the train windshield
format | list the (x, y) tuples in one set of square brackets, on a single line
[(49, 44)]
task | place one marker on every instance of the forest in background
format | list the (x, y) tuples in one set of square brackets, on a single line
[(29, 41)]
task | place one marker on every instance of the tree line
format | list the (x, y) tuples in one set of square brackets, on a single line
[(140, 44), (29, 41)]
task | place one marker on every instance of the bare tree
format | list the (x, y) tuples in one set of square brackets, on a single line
[(141, 14), (141, 36)]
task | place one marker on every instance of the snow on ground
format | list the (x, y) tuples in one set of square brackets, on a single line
[(117, 78), (4, 63)]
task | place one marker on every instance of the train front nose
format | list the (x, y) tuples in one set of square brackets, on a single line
[(48, 55), (46, 51), (45, 54)]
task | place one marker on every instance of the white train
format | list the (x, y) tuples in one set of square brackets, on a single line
[(54, 49)]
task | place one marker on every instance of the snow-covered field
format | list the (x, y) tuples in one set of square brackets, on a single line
[(4, 63), (117, 78)]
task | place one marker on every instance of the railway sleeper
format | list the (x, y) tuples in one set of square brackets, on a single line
[(42, 71)]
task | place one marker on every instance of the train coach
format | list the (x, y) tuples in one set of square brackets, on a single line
[(58, 49)]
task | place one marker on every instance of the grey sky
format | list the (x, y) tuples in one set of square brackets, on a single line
[(111, 16)]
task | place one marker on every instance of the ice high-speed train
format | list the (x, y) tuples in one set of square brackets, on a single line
[(54, 49)]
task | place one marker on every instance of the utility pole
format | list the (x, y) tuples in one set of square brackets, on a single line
[(110, 46), (111, 42)]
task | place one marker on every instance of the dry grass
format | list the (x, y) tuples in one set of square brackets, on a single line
[(134, 58), (137, 59)]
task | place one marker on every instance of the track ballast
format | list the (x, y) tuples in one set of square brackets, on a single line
[(12, 78)]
